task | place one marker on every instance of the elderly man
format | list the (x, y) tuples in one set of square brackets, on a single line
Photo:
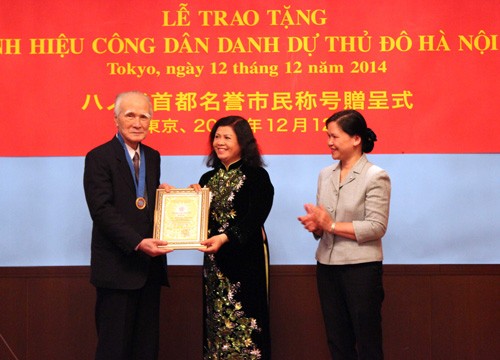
[(128, 267)]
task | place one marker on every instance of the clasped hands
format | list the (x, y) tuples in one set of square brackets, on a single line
[(317, 220)]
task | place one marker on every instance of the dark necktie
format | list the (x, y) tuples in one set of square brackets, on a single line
[(135, 160)]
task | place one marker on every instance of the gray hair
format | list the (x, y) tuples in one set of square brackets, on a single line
[(121, 96)]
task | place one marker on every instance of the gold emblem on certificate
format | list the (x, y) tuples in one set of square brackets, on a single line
[(181, 217), (140, 202)]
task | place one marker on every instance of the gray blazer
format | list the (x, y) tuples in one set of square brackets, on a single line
[(363, 199)]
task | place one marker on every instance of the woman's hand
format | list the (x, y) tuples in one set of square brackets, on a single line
[(214, 243), (323, 219), (196, 187), (166, 187), (317, 220)]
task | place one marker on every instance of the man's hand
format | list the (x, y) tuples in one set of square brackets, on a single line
[(151, 247)]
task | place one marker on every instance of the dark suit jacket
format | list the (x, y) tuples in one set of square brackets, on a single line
[(118, 226)]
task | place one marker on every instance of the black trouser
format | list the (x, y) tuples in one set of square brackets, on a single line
[(351, 300), (128, 323)]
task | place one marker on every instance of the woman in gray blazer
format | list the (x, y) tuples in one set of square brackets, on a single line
[(349, 220)]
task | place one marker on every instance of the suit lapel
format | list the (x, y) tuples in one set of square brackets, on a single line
[(335, 178), (150, 178), (357, 169), (122, 164), (150, 186), (353, 174)]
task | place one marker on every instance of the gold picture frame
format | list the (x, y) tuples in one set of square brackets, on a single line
[(181, 217)]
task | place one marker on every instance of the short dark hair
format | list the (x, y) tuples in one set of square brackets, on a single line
[(353, 123), (250, 153)]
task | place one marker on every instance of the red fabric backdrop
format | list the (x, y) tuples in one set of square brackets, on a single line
[(424, 74)]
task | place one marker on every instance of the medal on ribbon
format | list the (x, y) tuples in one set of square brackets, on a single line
[(140, 202), (140, 185)]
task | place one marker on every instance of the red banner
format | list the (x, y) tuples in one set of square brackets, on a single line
[(425, 75)]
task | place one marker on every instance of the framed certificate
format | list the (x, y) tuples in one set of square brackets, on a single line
[(181, 217)]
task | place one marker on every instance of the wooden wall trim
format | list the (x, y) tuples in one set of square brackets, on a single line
[(276, 270), (430, 312)]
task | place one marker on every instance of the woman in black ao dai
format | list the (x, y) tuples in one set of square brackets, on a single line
[(236, 261)]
